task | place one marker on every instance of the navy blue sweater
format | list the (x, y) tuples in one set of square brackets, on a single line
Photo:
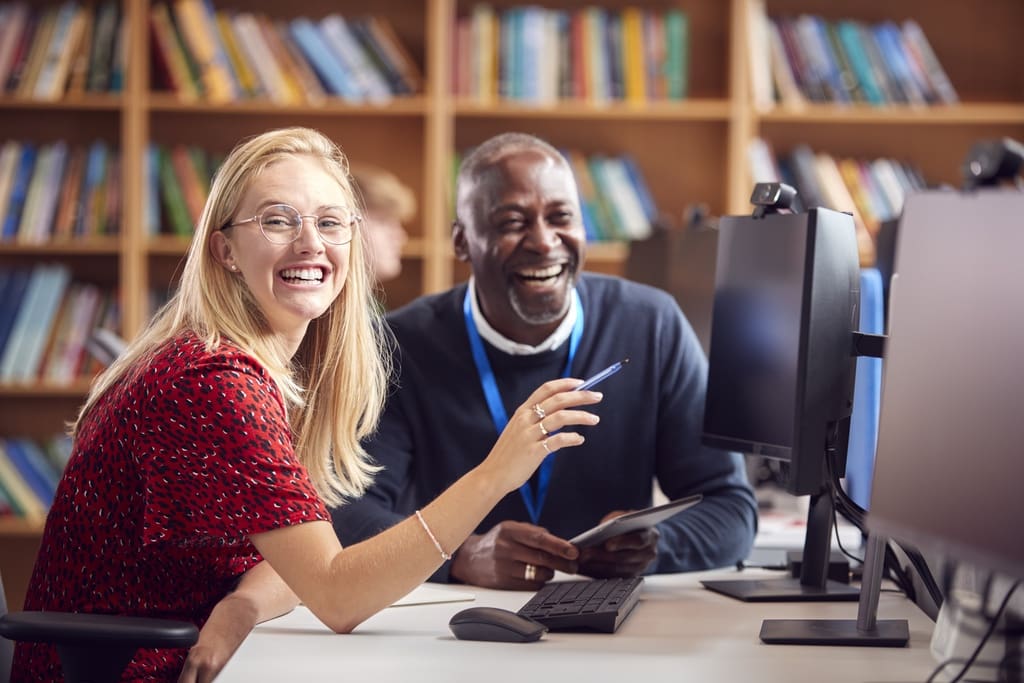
[(436, 426)]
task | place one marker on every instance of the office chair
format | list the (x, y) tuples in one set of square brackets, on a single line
[(93, 648)]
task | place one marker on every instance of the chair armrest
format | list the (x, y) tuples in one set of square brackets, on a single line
[(83, 629)]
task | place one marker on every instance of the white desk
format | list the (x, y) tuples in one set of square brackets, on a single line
[(678, 632)]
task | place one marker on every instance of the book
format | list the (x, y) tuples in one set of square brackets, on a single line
[(37, 52), (386, 36), (11, 298), (13, 23), (310, 88), (921, 50), (36, 473), (369, 82), (173, 197), (19, 189), (70, 190), (52, 283), (78, 70), (25, 502), (101, 56), (56, 61), (677, 40), (199, 34), (10, 154), (168, 54), (327, 65)]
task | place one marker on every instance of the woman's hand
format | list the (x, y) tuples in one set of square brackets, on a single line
[(537, 428)]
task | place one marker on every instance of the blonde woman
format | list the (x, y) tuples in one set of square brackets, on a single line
[(204, 458)]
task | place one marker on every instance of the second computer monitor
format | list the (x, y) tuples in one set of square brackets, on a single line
[(781, 373), (780, 380)]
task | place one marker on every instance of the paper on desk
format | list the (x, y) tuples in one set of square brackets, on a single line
[(428, 595)]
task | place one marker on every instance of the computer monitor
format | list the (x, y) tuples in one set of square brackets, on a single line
[(782, 363), (949, 465)]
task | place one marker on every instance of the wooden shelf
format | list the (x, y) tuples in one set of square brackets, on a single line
[(687, 110), (953, 115)]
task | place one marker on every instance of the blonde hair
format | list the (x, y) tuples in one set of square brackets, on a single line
[(336, 383), (382, 191)]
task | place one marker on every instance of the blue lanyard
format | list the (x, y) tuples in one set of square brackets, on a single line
[(534, 503)]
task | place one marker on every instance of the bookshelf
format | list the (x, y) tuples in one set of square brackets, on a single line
[(691, 151)]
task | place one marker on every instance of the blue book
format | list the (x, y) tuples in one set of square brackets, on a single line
[(849, 37), (19, 190), (10, 303), (43, 489), (322, 58)]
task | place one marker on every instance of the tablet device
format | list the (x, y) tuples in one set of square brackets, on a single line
[(633, 521)]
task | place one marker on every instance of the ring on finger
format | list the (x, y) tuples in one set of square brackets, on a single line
[(538, 411), (529, 572), (547, 448), (542, 430)]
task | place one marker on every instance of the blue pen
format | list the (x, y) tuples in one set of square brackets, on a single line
[(603, 375)]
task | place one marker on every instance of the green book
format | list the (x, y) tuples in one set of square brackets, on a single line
[(677, 62), (174, 198)]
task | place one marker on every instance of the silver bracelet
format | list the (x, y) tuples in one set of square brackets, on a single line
[(445, 556)]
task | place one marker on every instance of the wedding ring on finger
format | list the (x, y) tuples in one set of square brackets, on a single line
[(529, 572), (542, 430), (539, 412)]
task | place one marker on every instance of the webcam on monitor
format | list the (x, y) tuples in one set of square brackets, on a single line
[(992, 162), (772, 198)]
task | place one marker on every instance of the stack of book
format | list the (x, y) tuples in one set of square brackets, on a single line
[(56, 50), (53, 192), (29, 473), (45, 321), (799, 59), (872, 190), (224, 56), (539, 56)]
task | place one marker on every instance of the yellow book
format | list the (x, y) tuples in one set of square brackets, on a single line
[(634, 77), (201, 38), (247, 79)]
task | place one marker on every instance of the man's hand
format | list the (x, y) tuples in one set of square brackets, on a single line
[(499, 558), (625, 555)]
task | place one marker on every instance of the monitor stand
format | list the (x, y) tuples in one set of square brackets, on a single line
[(865, 630), (812, 586)]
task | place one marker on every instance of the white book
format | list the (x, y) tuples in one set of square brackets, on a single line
[(258, 53), (57, 60)]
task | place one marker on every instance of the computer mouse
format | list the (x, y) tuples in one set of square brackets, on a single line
[(495, 624)]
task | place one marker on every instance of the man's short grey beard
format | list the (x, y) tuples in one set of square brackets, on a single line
[(542, 318)]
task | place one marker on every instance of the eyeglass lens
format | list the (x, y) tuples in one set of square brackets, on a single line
[(282, 224)]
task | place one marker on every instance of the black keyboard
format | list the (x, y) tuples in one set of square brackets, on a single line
[(597, 605)]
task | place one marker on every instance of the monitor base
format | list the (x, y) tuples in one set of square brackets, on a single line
[(783, 590), (887, 632)]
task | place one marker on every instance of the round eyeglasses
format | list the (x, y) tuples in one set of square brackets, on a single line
[(282, 224)]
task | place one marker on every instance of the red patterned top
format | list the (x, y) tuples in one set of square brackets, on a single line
[(171, 472)]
